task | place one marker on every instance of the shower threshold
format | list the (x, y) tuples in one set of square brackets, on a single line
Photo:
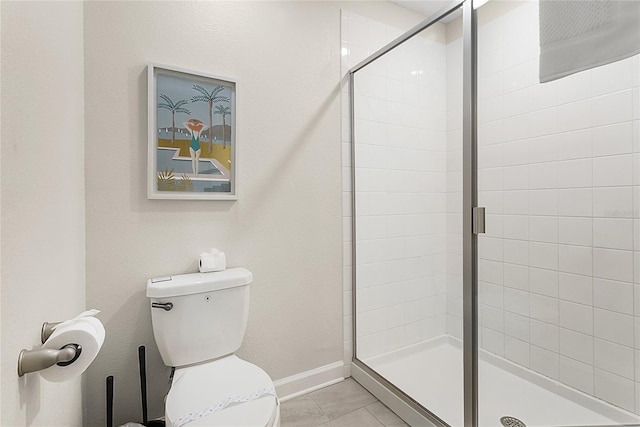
[(430, 372)]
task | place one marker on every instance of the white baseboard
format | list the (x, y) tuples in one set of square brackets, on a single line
[(308, 381)]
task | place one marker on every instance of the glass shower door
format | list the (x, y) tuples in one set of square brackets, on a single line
[(558, 173), (407, 163)]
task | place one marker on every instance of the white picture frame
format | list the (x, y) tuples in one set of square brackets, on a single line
[(192, 135)]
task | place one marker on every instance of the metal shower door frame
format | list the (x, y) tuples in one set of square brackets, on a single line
[(388, 393)]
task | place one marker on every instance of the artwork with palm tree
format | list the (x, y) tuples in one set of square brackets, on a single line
[(174, 107), (224, 111), (185, 154), (210, 98)]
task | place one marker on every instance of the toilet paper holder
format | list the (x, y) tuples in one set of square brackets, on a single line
[(43, 358)]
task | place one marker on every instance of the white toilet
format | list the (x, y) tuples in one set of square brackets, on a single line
[(199, 321)]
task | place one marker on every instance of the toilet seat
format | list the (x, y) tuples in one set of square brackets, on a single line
[(225, 392)]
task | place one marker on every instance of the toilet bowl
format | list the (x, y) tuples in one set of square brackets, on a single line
[(199, 321), (243, 395)]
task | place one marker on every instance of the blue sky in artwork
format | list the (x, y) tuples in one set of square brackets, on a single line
[(178, 88)]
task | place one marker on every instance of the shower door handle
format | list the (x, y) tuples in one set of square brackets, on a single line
[(478, 220)]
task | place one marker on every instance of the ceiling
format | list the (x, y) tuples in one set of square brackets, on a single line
[(424, 7)]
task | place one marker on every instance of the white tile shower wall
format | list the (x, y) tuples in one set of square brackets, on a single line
[(401, 176), (559, 168)]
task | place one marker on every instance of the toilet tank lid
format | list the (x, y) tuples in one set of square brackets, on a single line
[(195, 283)]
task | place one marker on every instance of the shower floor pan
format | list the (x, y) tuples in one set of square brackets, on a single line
[(431, 373)]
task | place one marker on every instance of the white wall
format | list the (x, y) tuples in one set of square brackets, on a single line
[(285, 226), (42, 192)]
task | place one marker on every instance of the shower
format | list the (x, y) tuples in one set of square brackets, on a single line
[(494, 244)]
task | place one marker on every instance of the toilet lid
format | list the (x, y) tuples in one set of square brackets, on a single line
[(227, 391)]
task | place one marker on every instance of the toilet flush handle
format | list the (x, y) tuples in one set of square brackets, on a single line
[(166, 306)]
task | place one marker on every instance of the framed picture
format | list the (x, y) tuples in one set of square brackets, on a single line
[(192, 135)]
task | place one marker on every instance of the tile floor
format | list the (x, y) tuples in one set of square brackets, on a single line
[(346, 404)]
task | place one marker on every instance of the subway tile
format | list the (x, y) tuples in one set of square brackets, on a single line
[(490, 86), (613, 202), (515, 178), (576, 374), (574, 145), (516, 251), (613, 264), (542, 96), (489, 134), (614, 327), (574, 115), (575, 231), (576, 288), (492, 341), (543, 255), (543, 148), (615, 389), (520, 50), (543, 202), (614, 296), (613, 171), (576, 345), (575, 259), (490, 248), (516, 325), (543, 175), (574, 87), (492, 201), (545, 362), (491, 318), (516, 153), (517, 276), (575, 202), (543, 229), (612, 77), (520, 77), (575, 173), (577, 317), (543, 122), (516, 301), (613, 233), (491, 294), (613, 108), (515, 103), (516, 202), (517, 127), (490, 156), (614, 358), (516, 227), (516, 350), (543, 282), (490, 179), (613, 139), (543, 308), (544, 335), (490, 271), (491, 109)]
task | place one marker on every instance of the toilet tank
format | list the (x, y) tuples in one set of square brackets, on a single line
[(207, 318)]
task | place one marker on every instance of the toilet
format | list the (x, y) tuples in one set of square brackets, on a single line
[(199, 321)]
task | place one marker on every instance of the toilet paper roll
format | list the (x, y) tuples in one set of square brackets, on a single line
[(88, 332), (212, 261)]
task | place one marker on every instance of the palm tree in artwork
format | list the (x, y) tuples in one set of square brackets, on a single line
[(210, 98), (224, 112), (174, 107)]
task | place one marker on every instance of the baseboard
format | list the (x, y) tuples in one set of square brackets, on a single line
[(308, 381)]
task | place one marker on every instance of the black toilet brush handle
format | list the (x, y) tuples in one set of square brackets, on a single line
[(143, 382)]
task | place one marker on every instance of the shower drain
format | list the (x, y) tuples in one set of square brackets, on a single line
[(512, 422)]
